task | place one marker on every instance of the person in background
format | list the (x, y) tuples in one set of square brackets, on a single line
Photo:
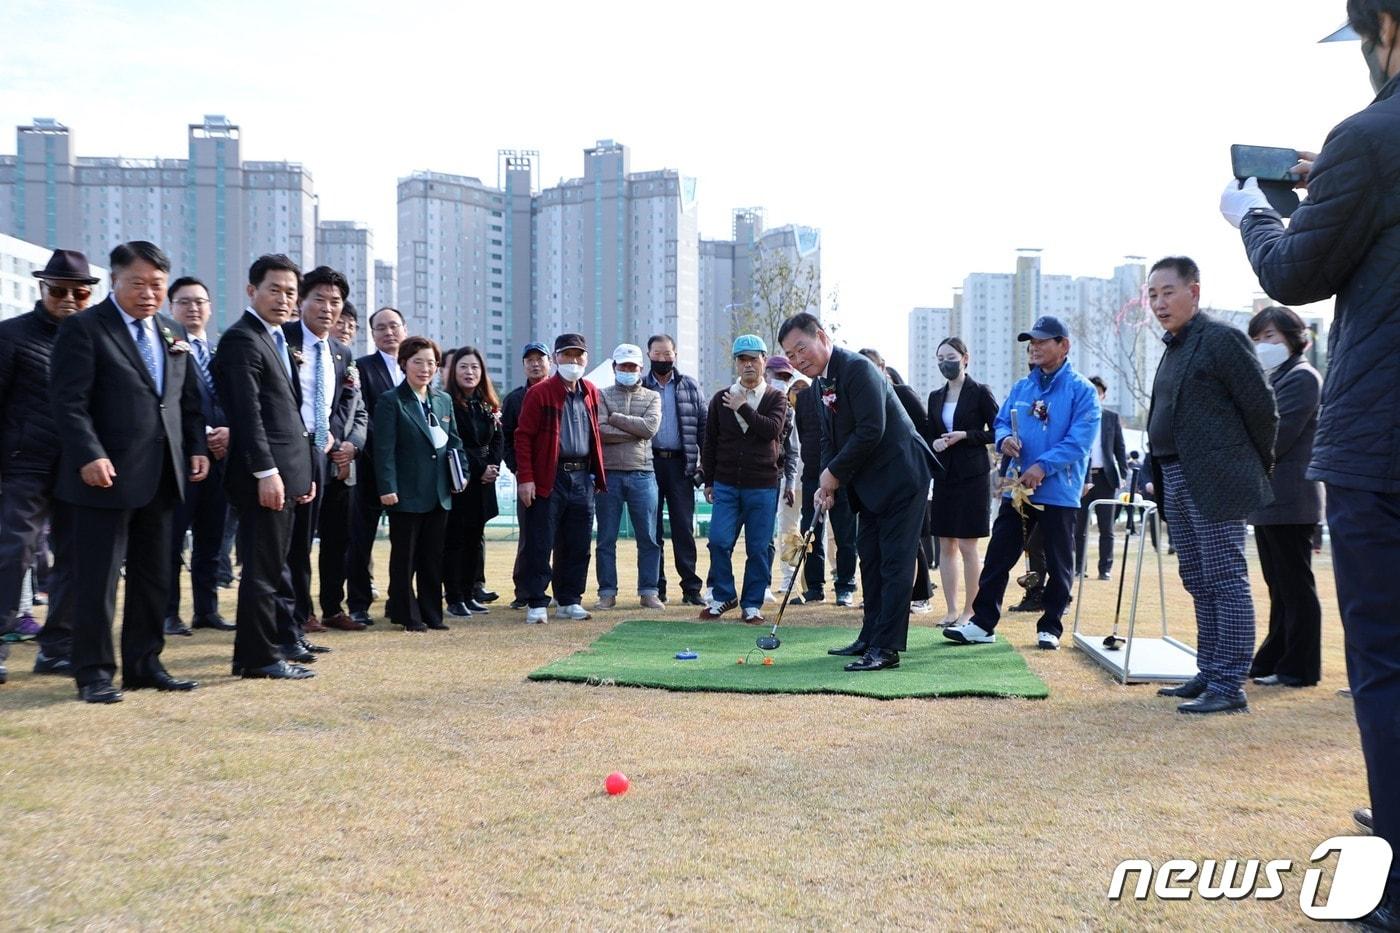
[(1108, 466), (839, 518), (342, 476), (1291, 655), (478, 411), (414, 429), (676, 450), (536, 364), (789, 518), (961, 415), (628, 417)]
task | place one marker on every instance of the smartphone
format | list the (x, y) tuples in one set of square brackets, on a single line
[(1265, 163)]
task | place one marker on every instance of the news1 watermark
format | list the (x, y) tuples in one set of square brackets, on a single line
[(1358, 879)]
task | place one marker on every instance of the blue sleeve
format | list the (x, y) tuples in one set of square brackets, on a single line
[(1002, 426), (1084, 418)]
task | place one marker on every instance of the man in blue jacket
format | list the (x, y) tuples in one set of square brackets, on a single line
[(1057, 413)]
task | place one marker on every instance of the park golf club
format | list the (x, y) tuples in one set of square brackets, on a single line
[(771, 641), (1113, 642)]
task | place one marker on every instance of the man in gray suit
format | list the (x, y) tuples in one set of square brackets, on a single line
[(1211, 428), (1108, 467)]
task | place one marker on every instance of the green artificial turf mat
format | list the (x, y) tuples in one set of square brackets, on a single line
[(643, 654)]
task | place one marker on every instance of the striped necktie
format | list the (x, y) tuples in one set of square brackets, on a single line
[(318, 396), (148, 353), (201, 358)]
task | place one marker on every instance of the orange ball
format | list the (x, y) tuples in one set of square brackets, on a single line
[(740, 661), (767, 662)]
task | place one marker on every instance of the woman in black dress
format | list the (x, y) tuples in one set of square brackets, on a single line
[(478, 411), (960, 419)]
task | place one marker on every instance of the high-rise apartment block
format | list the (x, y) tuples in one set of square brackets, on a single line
[(927, 329)]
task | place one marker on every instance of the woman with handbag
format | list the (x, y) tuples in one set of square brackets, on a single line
[(478, 411), (414, 433)]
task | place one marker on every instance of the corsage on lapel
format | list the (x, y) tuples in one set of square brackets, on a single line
[(173, 346), (352, 376)]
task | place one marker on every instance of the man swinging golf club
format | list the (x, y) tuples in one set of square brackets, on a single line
[(870, 448)]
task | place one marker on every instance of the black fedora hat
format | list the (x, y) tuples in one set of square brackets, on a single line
[(67, 265)]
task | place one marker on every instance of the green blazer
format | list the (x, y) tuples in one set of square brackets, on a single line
[(405, 461)]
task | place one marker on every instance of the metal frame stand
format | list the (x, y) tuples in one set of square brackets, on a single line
[(1142, 658)]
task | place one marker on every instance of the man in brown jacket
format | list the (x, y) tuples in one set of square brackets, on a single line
[(739, 459)]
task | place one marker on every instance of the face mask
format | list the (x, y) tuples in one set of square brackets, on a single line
[(1377, 68), (438, 435), (778, 384), (571, 372), (951, 369), (627, 379), (1271, 355), (662, 367)]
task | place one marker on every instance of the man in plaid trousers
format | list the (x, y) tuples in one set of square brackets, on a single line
[(1211, 428)]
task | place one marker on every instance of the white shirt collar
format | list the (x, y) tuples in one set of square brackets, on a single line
[(309, 339), (270, 328), (126, 317), (391, 364)]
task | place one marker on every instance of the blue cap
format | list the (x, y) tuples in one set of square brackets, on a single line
[(1044, 328), (750, 344), (535, 347)]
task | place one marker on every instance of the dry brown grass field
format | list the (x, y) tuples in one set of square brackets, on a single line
[(421, 782)]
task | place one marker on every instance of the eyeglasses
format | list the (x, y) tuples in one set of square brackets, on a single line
[(60, 292), (192, 302)]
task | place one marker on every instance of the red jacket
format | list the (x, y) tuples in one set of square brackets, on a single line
[(537, 434)]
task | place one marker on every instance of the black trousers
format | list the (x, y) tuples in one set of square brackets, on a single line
[(561, 525), (923, 582), (296, 582), (264, 538), (415, 567), (365, 512), (464, 549), (202, 513), (103, 540), (1365, 529), (888, 542), (676, 495), (843, 526), (333, 528), (1293, 647), (1099, 488), (1056, 526), (26, 506)]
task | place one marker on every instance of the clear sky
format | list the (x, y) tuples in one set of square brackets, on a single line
[(927, 141)]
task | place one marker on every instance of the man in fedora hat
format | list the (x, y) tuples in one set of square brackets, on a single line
[(29, 456)]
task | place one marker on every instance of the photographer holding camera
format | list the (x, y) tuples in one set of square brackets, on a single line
[(1344, 241)]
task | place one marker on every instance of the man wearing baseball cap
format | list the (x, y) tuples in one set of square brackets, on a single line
[(559, 455), (535, 362), (629, 416), (1057, 415), (739, 459), (29, 448)]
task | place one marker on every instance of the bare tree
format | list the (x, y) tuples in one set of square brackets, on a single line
[(1122, 340), (782, 286)]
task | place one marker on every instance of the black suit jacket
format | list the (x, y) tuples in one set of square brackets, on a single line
[(348, 420), (868, 442), (106, 406), (1115, 452), (264, 413), (975, 413), (375, 380)]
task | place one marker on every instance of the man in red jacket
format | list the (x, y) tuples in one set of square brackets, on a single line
[(559, 455)]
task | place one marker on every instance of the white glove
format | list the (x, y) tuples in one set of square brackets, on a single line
[(1241, 197)]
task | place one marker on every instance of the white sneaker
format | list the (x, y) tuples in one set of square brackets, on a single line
[(537, 616), (575, 612), (1047, 641), (768, 598), (920, 607), (969, 633)]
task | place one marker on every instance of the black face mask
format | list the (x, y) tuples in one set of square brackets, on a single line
[(662, 367), (951, 369), (1380, 76)]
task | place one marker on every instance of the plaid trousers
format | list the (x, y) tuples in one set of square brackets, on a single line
[(1214, 570)]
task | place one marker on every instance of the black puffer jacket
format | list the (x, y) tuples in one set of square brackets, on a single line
[(1344, 240), (28, 441)]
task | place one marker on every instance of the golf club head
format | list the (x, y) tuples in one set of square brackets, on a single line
[(768, 642), (1113, 642)]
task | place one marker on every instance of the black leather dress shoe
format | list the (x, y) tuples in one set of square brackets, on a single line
[(876, 659), (459, 609), (314, 649), (43, 664), (174, 625), (1216, 703), (1187, 691), (297, 653), (485, 596), (100, 691), (689, 599), (518, 603), (281, 670), (361, 617), (476, 607), (854, 650), (437, 625), (216, 622), (413, 626), (159, 681)]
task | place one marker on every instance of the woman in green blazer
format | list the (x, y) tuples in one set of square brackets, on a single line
[(413, 431)]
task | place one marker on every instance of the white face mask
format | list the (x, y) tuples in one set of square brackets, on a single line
[(438, 435), (571, 372), (627, 379), (1272, 355)]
